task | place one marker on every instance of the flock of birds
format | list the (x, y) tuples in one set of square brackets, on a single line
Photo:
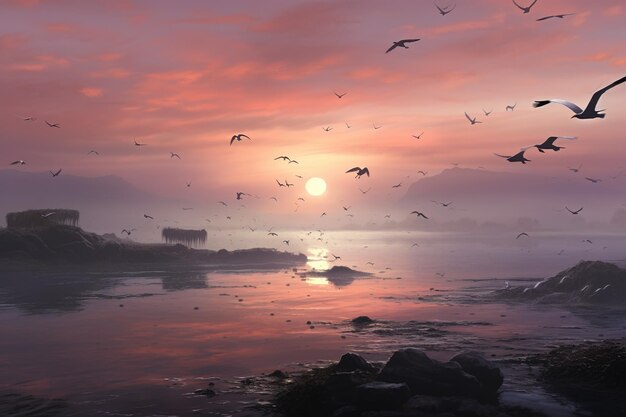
[(550, 144)]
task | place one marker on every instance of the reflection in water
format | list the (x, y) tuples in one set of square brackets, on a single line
[(184, 281), (316, 280), (318, 259)]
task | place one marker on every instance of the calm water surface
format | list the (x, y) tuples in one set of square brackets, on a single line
[(139, 343)]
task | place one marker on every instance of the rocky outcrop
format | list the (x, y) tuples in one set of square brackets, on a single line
[(409, 384), (589, 282), (69, 245)]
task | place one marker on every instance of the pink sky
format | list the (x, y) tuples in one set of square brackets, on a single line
[(185, 76)]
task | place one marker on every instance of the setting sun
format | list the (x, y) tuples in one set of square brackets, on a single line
[(315, 186)]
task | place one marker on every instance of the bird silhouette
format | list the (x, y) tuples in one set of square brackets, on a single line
[(280, 184), (138, 144), (128, 232), (365, 191), (323, 214), (521, 234), (286, 242), (283, 157), (346, 208), (46, 215), (174, 155), (487, 113), (376, 127), (525, 9), (222, 203), (147, 216), (27, 118), (397, 185), (422, 172), (348, 126), (359, 172), (238, 138), (518, 157), (557, 16), (188, 184), (549, 143), (287, 184), (293, 161), (93, 152), (418, 136), (53, 124), (575, 211), (444, 10), (18, 162), (575, 170), (510, 108), (473, 120), (400, 44), (56, 174), (419, 214), (339, 95), (327, 129), (593, 180), (590, 111), (240, 195)]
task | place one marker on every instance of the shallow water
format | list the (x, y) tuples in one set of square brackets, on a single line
[(139, 343)]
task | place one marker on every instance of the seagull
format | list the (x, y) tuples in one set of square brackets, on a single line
[(238, 138), (518, 157), (335, 256), (587, 241), (376, 127), (397, 185), (348, 126), (444, 10), (575, 170), (18, 162), (443, 204), (574, 212), (300, 199), (473, 121), (286, 242), (507, 108), (401, 44), (339, 95), (138, 144), (418, 136), (387, 216), (27, 118), (283, 157), (45, 216), (274, 198), (370, 263), (559, 16), (590, 111), (280, 184), (239, 194), (93, 152), (422, 172), (189, 184), (323, 214), (327, 129), (146, 216), (359, 171), (593, 180), (287, 184), (419, 214), (222, 203), (525, 9), (53, 124), (521, 234), (415, 244), (440, 274), (174, 155), (487, 113), (346, 208), (293, 161), (549, 143), (56, 174), (128, 232)]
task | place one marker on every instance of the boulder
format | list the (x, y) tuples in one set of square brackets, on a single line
[(427, 376), (362, 320), (351, 362), (487, 373), (382, 395)]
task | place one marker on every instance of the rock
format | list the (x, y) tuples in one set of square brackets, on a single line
[(352, 362), (382, 395), (427, 376), (362, 320), (278, 374), (209, 393), (487, 373)]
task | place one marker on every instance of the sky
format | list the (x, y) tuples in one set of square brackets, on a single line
[(185, 76)]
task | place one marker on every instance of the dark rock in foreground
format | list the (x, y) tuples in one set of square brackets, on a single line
[(409, 385), (20, 405), (61, 245), (589, 282)]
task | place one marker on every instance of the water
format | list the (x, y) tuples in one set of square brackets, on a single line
[(140, 343)]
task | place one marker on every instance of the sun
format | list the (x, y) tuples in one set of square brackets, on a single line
[(315, 186)]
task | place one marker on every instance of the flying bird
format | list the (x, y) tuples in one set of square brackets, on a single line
[(56, 174), (487, 113), (558, 16), (147, 216), (525, 9), (365, 191), (376, 127), (189, 184), (339, 95), (274, 198), (53, 124), (323, 214), (419, 214), (327, 129), (473, 121), (593, 180), (575, 170), (174, 155), (422, 172), (45, 216), (590, 111), (549, 143), (518, 157), (400, 44), (442, 204), (287, 184), (359, 171), (280, 184), (222, 203), (138, 144), (575, 211), (238, 138), (346, 208), (444, 10), (397, 185), (27, 118), (128, 232), (272, 234), (18, 162), (283, 157), (521, 234), (240, 194), (293, 161), (348, 126), (509, 107), (286, 242), (418, 136), (93, 152)]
